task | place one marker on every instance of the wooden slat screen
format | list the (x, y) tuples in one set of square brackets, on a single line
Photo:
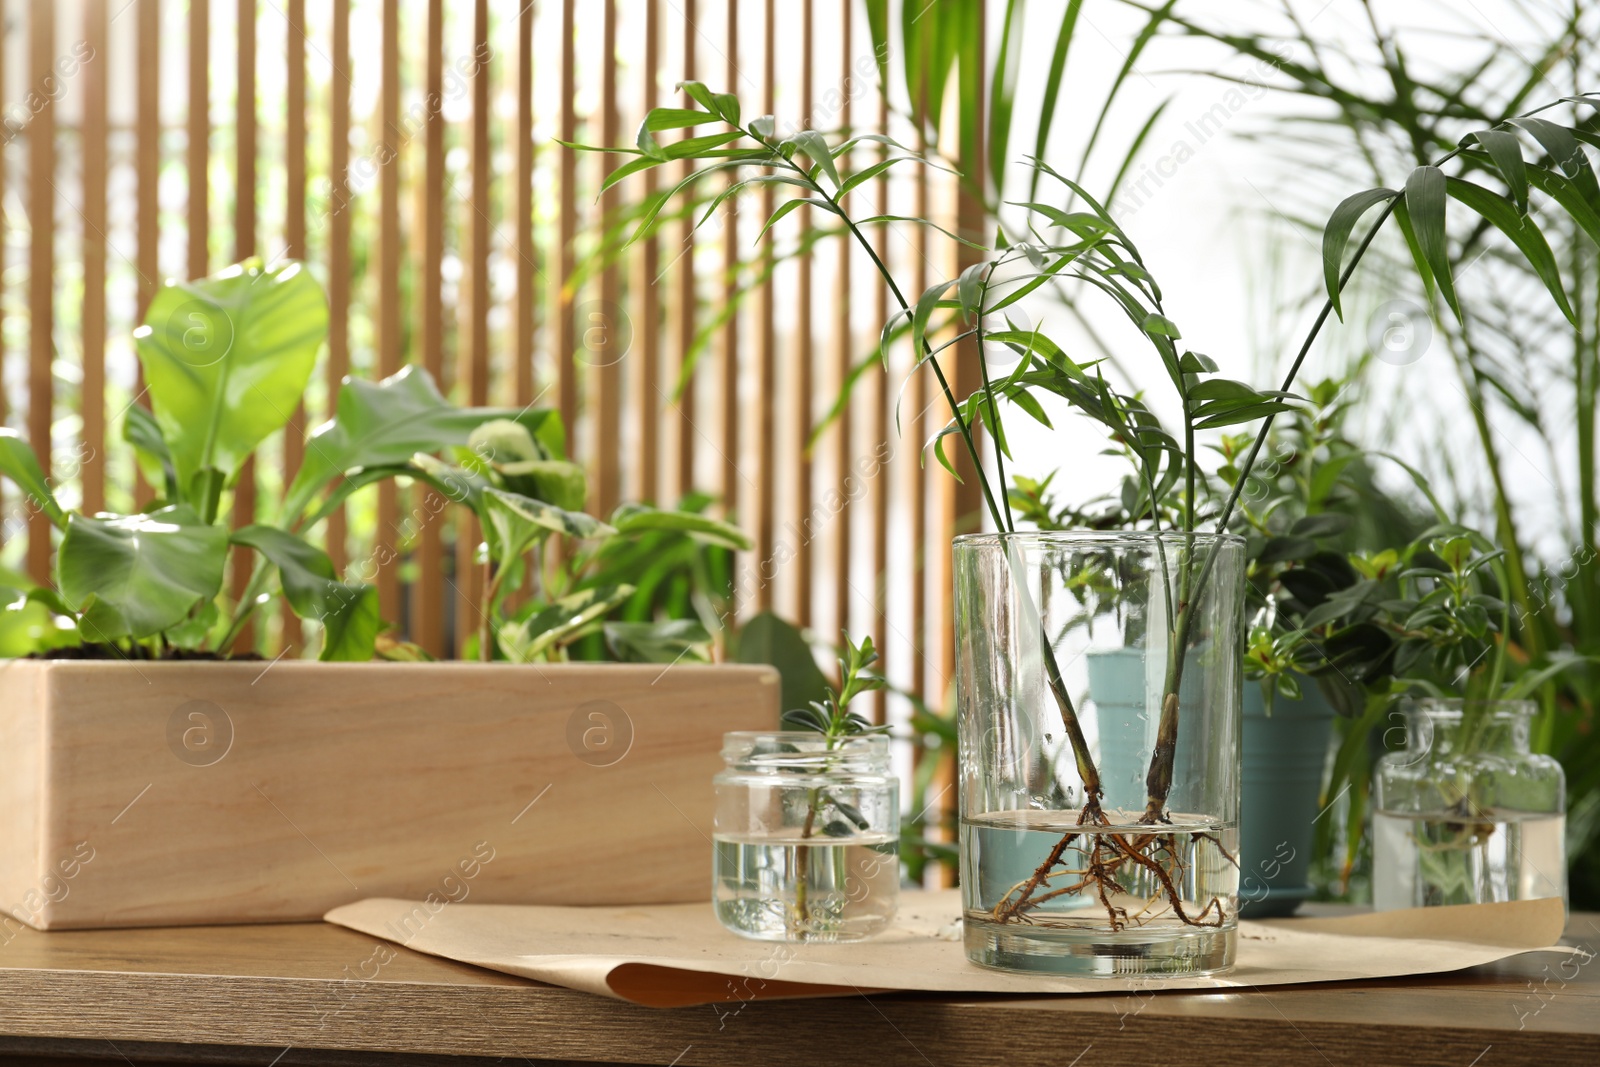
[(418, 173)]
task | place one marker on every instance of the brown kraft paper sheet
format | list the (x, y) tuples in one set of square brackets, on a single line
[(675, 955)]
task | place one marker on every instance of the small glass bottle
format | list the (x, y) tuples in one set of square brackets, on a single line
[(807, 837), (1465, 813)]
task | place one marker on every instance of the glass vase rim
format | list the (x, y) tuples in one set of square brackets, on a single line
[(738, 748), (1453, 709), (998, 537)]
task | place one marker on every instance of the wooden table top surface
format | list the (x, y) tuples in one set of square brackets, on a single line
[(288, 990)]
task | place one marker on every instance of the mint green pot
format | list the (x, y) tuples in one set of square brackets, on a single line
[(1284, 755)]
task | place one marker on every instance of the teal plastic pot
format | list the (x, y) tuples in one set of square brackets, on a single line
[(1284, 755), (1116, 685)]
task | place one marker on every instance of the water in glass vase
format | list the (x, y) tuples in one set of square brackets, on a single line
[(1422, 859), (794, 888), (1045, 894)]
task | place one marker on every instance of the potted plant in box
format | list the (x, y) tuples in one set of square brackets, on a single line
[(211, 790)]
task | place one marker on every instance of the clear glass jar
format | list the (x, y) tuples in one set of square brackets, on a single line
[(1465, 813), (807, 837), (1098, 686)]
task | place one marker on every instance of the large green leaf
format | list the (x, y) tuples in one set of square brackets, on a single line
[(137, 575), (668, 641), (347, 611), (384, 424), (641, 518), (227, 359), (768, 639), (511, 522), (559, 623), (18, 463)]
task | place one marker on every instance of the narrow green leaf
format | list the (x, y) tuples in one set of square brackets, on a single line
[(812, 144), (1158, 325), (1052, 90), (1506, 151), (1425, 199), (1336, 234), (878, 28), (632, 167), (1003, 91)]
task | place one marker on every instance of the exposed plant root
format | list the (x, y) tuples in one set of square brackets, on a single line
[(1109, 855)]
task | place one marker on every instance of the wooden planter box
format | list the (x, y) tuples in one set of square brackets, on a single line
[(144, 794)]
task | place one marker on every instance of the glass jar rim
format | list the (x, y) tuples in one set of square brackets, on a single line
[(805, 748), (1453, 709), (991, 538)]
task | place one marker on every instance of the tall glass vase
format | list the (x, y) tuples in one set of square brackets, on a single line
[(1098, 689)]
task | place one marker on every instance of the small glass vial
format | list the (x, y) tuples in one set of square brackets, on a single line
[(807, 837), (1465, 813)]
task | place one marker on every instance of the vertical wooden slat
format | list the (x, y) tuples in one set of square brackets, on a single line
[(244, 236), (844, 355), (427, 593), (916, 400), (766, 366), (93, 393), (961, 501), (803, 359), (527, 309), (684, 281), (606, 365), (473, 370), (647, 332), (338, 244), (148, 166), (878, 390), (198, 155), (566, 231), (294, 234), (388, 309), (730, 286), (963, 506), (41, 267)]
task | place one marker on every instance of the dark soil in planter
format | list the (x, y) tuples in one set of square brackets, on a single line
[(110, 652)]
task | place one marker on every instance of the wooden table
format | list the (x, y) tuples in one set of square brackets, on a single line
[(297, 994)]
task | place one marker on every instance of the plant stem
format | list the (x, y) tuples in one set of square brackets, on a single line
[(1087, 770), (491, 587), (802, 859), (1158, 782)]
